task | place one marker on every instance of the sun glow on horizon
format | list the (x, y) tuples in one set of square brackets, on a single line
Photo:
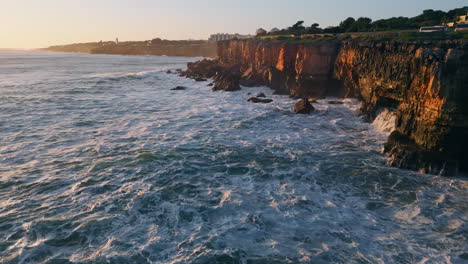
[(28, 24)]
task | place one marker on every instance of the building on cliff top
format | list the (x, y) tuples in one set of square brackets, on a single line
[(225, 36), (463, 19)]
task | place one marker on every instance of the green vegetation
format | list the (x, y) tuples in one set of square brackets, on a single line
[(403, 35), (364, 24)]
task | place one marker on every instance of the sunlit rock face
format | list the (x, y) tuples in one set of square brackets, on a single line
[(299, 70), (428, 85)]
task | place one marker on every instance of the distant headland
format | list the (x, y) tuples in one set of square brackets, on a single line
[(157, 46)]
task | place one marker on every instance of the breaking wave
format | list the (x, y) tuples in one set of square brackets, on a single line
[(127, 171)]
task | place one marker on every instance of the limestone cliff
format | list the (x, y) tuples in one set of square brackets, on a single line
[(298, 70), (426, 83)]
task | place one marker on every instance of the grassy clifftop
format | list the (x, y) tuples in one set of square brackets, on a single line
[(408, 35)]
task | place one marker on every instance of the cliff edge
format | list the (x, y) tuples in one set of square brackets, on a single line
[(424, 83)]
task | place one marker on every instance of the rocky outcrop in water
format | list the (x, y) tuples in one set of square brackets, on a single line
[(256, 100), (179, 88), (227, 79), (303, 106)]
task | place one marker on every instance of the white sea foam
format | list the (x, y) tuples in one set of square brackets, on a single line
[(385, 122), (128, 171)]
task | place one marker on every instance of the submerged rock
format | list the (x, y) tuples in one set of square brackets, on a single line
[(259, 100), (210, 84), (169, 72), (260, 95), (303, 107), (179, 88), (200, 79), (335, 102)]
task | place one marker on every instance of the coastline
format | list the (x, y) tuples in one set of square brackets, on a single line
[(155, 47), (411, 79)]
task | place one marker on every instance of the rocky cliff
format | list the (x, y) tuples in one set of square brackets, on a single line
[(295, 69), (425, 83)]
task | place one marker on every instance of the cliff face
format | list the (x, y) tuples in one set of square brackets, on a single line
[(425, 83), (293, 69)]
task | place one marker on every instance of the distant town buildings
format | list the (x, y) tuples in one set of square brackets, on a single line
[(463, 19), (225, 36)]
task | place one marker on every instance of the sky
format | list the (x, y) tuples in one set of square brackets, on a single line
[(42, 23)]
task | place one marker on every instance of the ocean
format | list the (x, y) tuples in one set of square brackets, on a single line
[(100, 162)]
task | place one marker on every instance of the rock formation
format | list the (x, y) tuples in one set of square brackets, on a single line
[(179, 88), (259, 100), (303, 106), (425, 82)]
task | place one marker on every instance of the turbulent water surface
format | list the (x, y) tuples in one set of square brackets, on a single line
[(101, 163)]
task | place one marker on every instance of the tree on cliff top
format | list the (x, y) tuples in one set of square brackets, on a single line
[(347, 25), (314, 29), (428, 17), (363, 24), (297, 29), (261, 32)]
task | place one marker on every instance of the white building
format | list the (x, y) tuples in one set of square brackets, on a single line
[(225, 36)]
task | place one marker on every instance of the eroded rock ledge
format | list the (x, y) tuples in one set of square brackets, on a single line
[(426, 83)]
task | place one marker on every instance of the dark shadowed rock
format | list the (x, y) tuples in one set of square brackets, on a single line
[(200, 79), (260, 95), (256, 100), (404, 152), (335, 102), (202, 69), (303, 107), (210, 84), (248, 82), (227, 79), (169, 72), (179, 88)]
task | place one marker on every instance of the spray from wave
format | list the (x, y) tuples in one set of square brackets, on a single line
[(385, 122)]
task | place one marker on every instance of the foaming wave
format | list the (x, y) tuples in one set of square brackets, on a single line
[(146, 74), (385, 122), (138, 174)]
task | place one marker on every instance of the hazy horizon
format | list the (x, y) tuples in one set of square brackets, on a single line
[(28, 24)]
